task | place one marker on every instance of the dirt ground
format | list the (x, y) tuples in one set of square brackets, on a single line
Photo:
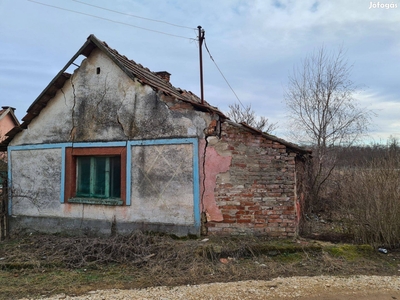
[(311, 288), (144, 266)]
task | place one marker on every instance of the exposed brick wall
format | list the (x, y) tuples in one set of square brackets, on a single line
[(259, 195)]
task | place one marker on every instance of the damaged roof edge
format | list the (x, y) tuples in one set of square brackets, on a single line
[(91, 43), (69, 63), (143, 74), (273, 138)]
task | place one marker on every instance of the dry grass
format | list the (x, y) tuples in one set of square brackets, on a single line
[(47, 264)]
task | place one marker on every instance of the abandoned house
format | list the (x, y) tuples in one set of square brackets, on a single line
[(114, 147)]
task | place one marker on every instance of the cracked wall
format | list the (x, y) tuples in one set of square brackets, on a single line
[(36, 181), (255, 191), (100, 103), (108, 106), (162, 184)]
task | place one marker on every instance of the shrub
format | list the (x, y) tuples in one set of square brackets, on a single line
[(370, 199)]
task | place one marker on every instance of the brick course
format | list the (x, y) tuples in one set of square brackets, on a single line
[(260, 195)]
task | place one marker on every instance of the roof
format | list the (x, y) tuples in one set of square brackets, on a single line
[(134, 71), (5, 110), (131, 68)]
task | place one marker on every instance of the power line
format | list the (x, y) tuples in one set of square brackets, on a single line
[(205, 44), (134, 16), (101, 18)]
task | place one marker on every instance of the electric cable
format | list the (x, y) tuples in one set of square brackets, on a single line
[(205, 44), (130, 15), (118, 22)]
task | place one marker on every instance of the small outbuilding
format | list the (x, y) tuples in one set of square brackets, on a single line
[(8, 121), (115, 147)]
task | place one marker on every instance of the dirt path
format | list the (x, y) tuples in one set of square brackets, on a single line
[(310, 288)]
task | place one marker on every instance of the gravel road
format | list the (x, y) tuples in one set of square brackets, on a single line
[(311, 288)]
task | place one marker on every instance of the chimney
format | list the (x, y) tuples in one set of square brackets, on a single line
[(7, 107), (164, 75)]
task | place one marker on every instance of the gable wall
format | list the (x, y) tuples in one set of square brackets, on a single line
[(256, 193), (108, 110), (6, 124), (108, 106)]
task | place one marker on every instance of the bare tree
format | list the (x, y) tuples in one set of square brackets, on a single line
[(323, 111), (246, 115)]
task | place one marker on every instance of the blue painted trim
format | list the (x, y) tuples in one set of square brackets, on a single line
[(63, 145), (196, 184), (99, 144), (196, 178), (128, 144), (60, 146), (162, 142), (62, 187), (41, 146), (128, 174)]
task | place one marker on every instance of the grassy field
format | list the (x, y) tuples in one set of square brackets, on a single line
[(43, 265)]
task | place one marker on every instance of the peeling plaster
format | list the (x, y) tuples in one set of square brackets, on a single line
[(93, 108), (214, 165)]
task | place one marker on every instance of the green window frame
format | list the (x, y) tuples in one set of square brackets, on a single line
[(95, 175), (98, 177)]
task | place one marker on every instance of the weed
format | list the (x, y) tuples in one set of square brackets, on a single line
[(47, 264), (350, 252)]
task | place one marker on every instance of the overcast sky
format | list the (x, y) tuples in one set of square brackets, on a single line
[(255, 43)]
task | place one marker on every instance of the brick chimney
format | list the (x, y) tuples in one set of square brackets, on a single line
[(164, 75)]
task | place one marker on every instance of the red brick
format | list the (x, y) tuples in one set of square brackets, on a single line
[(274, 220), (247, 195), (240, 165), (247, 203), (274, 217), (253, 208), (258, 225), (244, 221), (229, 207), (274, 194), (230, 221)]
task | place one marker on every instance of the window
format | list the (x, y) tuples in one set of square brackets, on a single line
[(95, 175), (98, 177)]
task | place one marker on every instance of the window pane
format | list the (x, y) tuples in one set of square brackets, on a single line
[(115, 177), (98, 176), (83, 176), (100, 173)]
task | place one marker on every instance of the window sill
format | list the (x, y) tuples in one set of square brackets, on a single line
[(98, 201)]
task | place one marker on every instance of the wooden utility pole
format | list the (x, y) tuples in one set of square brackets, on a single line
[(201, 38)]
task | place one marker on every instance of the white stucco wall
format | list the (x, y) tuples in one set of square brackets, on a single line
[(36, 181), (108, 107), (162, 184)]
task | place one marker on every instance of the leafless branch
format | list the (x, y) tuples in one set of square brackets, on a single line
[(245, 114)]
